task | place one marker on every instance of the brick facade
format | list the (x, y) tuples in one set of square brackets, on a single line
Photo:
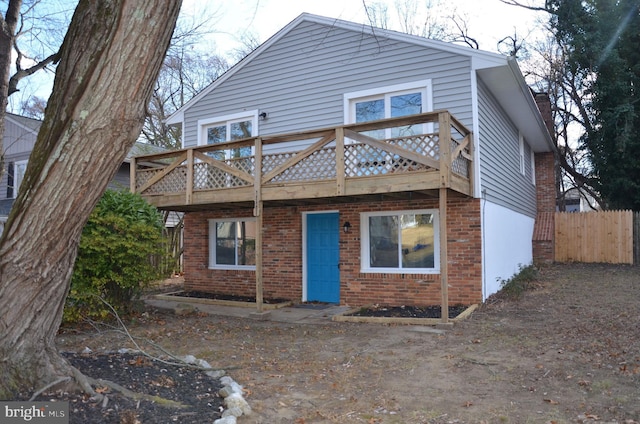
[(282, 257)]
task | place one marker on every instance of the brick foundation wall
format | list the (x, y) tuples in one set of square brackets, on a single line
[(282, 257)]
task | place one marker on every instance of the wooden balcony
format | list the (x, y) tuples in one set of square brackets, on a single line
[(397, 157)]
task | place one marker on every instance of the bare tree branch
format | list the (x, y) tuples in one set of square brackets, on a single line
[(525, 6), (22, 73)]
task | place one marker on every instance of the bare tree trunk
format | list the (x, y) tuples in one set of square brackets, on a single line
[(110, 59)]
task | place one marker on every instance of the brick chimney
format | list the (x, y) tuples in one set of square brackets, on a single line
[(545, 163)]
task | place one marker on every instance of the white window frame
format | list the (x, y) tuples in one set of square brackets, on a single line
[(350, 99), (204, 124), (521, 151), (533, 167), (365, 250), (18, 181), (213, 245)]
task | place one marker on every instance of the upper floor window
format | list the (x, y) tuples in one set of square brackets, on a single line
[(228, 128), (400, 242), (15, 175), (389, 102)]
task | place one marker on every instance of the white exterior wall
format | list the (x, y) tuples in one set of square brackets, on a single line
[(506, 240)]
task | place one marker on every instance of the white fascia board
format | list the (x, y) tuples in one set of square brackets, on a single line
[(176, 118), (483, 58)]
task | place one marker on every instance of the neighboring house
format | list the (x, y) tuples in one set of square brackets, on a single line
[(20, 137), (576, 201), (391, 167)]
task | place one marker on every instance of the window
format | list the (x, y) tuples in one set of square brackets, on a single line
[(400, 242), (389, 102), (15, 175), (228, 128), (232, 243), (383, 103)]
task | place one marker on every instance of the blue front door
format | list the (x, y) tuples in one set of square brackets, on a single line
[(323, 258)]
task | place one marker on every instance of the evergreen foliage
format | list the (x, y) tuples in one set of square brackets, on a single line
[(123, 233), (604, 36)]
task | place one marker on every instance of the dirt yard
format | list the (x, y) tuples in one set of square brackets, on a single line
[(567, 351)]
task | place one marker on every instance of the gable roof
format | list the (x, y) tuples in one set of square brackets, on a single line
[(500, 74), (140, 148)]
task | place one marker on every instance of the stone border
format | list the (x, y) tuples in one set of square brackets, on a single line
[(231, 392), (345, 317), (184, 299)]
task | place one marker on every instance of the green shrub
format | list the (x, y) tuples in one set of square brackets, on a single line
[(519, 282), (123, 233)]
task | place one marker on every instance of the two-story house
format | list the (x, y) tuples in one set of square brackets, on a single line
[(347, 164)]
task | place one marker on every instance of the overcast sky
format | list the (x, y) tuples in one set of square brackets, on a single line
[(488, 20)]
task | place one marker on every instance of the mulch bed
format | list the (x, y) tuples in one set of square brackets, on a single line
[(141, 374), (408, 311), (222, 296)]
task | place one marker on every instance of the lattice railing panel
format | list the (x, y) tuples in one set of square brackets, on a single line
[(174, 182), (460, 165), (320, 165), (364, 160), (207, 176), (142, 176), (423, 144)]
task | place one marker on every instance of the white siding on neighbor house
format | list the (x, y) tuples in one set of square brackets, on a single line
[(19, 140), (501, 181), (300, 80), (506, 240)]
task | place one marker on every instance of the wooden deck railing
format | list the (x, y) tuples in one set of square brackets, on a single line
[(391, 155)]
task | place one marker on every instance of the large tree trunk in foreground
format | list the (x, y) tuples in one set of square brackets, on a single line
[(110, 59)]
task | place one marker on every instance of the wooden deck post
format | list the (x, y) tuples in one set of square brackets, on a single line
[(190, 170), (257, 212), (444, 140), (340, 168), (444, 268), (259, 288)]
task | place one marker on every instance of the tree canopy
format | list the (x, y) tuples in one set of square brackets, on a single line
[(602, 38)]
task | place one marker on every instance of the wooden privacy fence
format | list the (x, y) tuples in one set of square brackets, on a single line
[(605, 236)]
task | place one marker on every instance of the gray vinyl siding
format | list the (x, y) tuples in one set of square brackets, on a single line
[(500, 176), (300, 80)]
